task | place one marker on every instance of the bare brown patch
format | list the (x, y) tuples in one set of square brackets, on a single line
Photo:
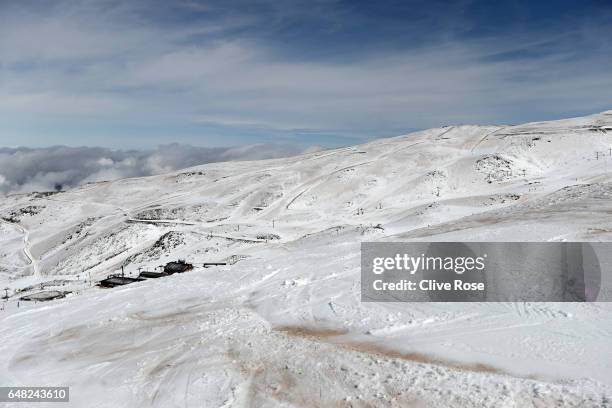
[(319, 333), (371, 348), (23, 358), (328, 335), (71, 333), (598, 231)]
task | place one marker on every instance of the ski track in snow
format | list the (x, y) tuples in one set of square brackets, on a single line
[(26, 247)]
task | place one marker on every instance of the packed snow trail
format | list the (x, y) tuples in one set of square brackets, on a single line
[(26, 247)]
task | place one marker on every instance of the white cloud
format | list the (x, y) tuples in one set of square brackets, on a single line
[(60, 167)]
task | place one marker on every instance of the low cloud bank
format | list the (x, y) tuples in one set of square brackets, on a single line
[(25, 170)]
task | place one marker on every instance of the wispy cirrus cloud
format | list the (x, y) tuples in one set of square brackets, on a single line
[(131, 74)]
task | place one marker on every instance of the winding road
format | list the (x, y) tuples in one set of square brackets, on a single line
[(26, 246)]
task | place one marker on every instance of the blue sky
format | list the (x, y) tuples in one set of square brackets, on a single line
[(132, 75)]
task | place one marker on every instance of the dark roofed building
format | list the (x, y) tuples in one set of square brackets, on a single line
[(177, 267), (117, 280)]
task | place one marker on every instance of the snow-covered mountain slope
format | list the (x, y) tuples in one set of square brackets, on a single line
[(282, 324)]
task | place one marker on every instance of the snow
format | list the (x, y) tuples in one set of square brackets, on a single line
[(282, 324)]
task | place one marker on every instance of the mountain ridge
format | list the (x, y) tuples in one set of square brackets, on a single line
[(290, 232)]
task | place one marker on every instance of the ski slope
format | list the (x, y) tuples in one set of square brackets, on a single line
[(282, 324)]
